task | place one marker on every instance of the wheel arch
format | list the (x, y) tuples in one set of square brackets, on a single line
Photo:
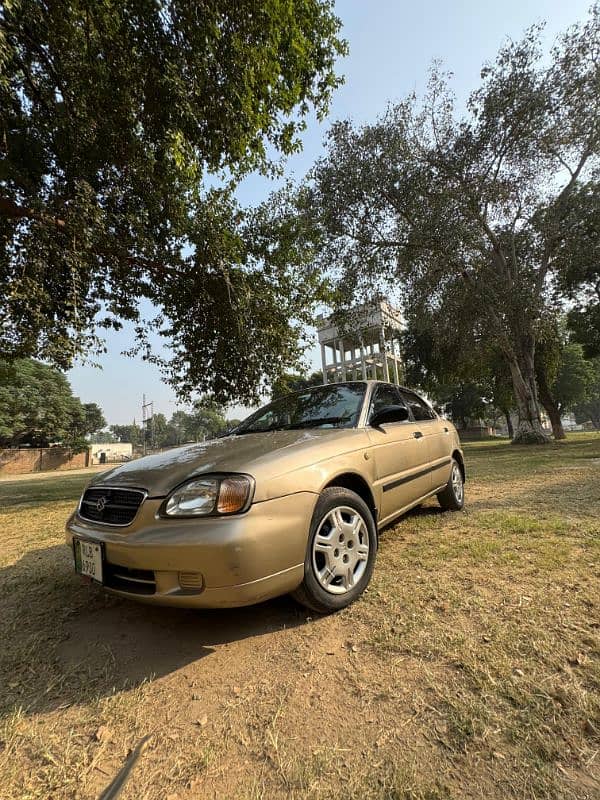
[(356, 483)]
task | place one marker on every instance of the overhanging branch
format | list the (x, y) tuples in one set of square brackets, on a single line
[(8, 208)]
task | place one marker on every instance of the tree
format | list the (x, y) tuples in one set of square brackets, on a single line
[(207, 420), (442, 208), (574, 377), (103, 437), (466, 404), (94, 418), (468, 379), (563, 375), (156, 432), (177, 430), (579, 266), (293, 382), (589, 408), (37, 407), (86, 419), (128, 433), (124, 128)]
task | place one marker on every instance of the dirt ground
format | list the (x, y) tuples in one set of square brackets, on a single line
[(469, 669)]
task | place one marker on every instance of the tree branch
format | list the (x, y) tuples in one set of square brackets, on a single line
[(490, 312), (561, 160), (8, 208), (35, 91), (568, 187), (560, 199), (48, 62)]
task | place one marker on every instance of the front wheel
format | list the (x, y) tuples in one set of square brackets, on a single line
[(452, 498), (340, 556)]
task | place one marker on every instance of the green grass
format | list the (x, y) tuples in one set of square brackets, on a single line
[(34, 493), (469, 669), (503, 613)]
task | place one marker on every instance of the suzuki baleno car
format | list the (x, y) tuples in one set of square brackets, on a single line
[(289, 501)]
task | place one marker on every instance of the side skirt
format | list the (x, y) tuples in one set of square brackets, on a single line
[(383, 522)]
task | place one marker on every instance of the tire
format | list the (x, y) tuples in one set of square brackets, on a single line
[(452, 498), (341, 551)]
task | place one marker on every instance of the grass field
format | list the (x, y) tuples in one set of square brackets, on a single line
[(469, 669)]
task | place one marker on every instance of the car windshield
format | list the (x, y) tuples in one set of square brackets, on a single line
[(332, 406)]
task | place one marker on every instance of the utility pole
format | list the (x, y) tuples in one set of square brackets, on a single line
[(147, 417), (152, 433)]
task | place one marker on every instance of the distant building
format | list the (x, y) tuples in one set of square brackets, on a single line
[(110, 452), (570, 423), (367, 346)]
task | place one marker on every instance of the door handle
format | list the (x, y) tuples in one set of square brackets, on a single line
[(418, 435), (445, 430)]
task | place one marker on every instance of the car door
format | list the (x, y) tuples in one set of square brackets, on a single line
[(436, 435), (400, 456)]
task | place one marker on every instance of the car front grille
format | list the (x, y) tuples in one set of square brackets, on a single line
[(125, 579), (110, 506)]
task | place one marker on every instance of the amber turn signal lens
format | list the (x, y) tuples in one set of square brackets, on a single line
[(233, 494)]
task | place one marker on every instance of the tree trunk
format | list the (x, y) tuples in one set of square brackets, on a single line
[(509, 425), (549, 402), (522, 370), (554, 416)]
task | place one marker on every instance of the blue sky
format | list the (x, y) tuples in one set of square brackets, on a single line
[(391, 47)]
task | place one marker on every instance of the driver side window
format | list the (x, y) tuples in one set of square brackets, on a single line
[(420, 410), (385, 396)]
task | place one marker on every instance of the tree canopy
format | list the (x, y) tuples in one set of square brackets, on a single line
[(293, 382), (588, 409), (579, 273), (471, 217), (124, 127), (37, 407), (574, 377)]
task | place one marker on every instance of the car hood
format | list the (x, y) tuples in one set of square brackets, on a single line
[(262, 455)]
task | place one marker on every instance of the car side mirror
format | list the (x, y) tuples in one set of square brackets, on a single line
[(389, 414)]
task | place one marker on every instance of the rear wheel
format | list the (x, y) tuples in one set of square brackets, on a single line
[(340, 555), (452, 498)]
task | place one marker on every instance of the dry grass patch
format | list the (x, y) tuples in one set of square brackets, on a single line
[(470, 669)]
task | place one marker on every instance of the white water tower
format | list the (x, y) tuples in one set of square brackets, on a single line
[(365, 345)]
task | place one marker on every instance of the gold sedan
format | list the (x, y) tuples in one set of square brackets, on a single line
[(289, 501)]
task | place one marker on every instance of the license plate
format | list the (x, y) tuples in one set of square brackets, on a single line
[(88, 559)]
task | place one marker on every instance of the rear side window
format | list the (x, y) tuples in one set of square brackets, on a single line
[(420, 410), (385, 395)]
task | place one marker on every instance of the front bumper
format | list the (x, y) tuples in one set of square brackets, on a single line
[(216, 562)]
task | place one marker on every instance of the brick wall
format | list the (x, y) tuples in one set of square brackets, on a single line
[(34, 459)]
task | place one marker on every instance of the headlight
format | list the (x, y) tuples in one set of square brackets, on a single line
[(210, 496)]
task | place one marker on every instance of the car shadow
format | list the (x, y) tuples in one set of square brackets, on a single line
[(66, 643)]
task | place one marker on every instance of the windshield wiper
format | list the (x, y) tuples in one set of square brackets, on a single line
[(308, 423), (314, 423), (240, 432)]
